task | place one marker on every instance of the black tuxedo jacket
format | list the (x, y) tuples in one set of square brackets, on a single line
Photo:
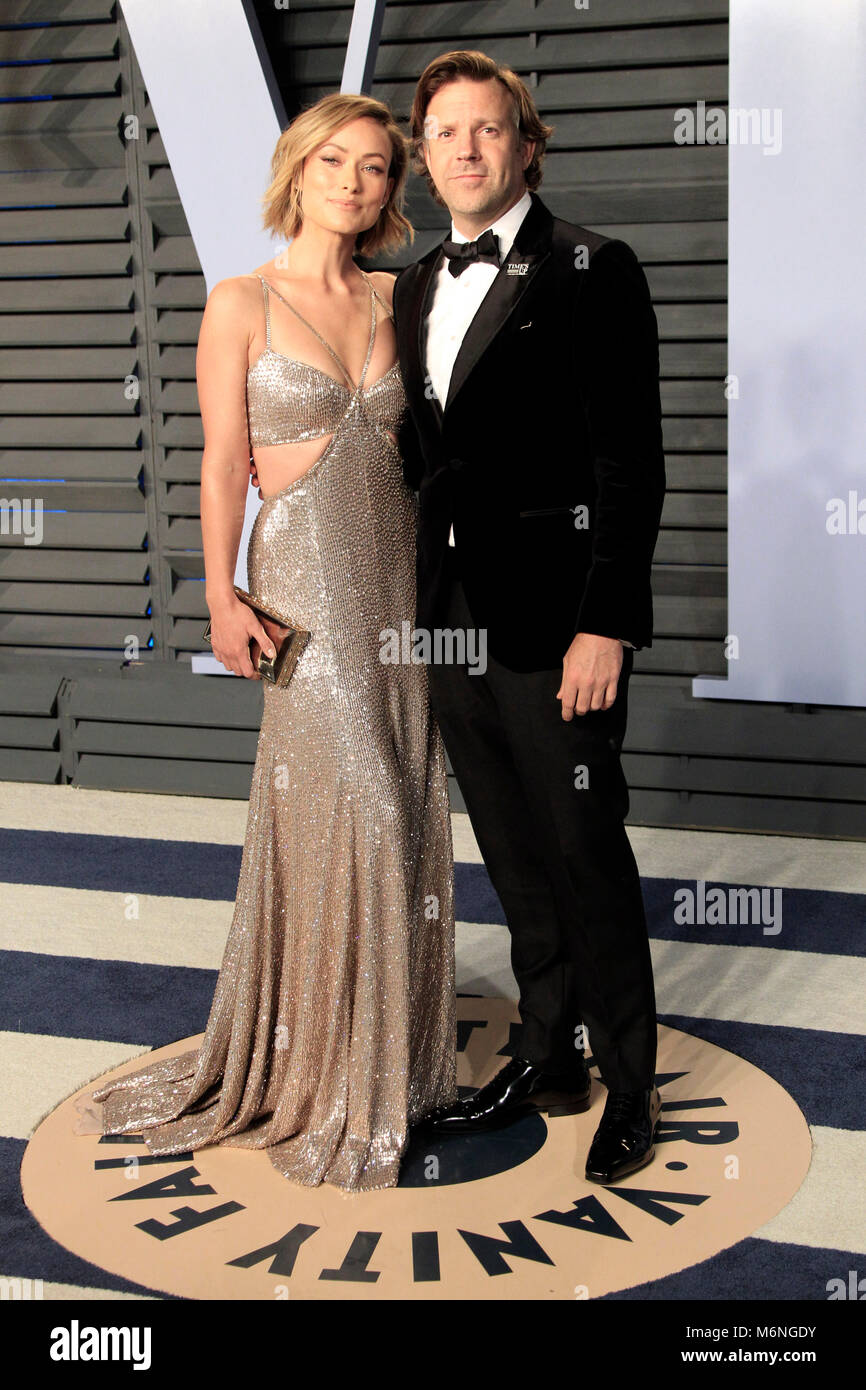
[(553, 418)]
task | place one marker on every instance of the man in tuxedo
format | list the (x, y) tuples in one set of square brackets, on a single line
[(529, 350)]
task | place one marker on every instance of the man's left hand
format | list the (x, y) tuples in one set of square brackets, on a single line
[(590, 673)]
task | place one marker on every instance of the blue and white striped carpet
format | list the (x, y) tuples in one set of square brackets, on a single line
[(115, 909)]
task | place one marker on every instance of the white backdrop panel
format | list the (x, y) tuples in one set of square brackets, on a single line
[(797, 344)]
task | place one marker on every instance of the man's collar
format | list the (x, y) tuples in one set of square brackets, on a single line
[(505, 227)]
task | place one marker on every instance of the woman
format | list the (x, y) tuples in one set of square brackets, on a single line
[(332, 1028)]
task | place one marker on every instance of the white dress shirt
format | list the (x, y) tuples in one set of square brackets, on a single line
[(456, 300)]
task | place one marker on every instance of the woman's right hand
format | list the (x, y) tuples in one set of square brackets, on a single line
[(232, 624)]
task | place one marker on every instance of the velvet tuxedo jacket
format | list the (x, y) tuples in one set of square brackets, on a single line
[(547, 455)]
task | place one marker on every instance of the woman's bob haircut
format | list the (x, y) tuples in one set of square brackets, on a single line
[(282, 210)]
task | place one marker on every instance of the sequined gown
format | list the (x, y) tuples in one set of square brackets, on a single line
[(332, 1026)]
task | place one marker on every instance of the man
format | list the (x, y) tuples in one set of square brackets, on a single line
[(529, 350)]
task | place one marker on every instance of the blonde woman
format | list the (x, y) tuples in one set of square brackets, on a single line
[(332, 1028)]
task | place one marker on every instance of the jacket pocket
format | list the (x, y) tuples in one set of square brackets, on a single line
[(547, 511)]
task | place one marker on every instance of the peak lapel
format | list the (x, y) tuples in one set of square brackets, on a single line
[(531, 248)]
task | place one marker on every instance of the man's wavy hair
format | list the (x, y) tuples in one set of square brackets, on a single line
[(282, 211), (468, 63)]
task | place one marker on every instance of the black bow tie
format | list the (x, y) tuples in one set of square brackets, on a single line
[(463, 253)]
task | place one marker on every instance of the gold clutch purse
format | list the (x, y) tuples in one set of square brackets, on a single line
[(289, 641)]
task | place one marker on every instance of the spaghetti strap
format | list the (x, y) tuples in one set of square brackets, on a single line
[(324, 341), (382, 301), (360, 385), (267, 311)]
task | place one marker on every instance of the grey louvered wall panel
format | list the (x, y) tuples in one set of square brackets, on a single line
[(111, 285), (74, 433)]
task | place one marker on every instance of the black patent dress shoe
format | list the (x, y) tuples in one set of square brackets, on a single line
[(625, 1138), (519, 1089)]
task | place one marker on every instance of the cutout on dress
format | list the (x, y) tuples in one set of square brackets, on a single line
[(352, 390)]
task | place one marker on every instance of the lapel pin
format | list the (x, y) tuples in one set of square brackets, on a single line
[(518, 268)]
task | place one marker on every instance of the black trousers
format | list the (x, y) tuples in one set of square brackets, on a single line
[(547, 799)]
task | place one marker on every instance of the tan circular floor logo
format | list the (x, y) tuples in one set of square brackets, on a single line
[(505, 1215)]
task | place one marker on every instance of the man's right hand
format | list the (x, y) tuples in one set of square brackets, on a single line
[(232, 624), (254, 479)]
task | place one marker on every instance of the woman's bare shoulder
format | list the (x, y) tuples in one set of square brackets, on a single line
[(235, 289), (383, 280)]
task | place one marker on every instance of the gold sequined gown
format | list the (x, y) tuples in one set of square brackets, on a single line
[(332, 1026)]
